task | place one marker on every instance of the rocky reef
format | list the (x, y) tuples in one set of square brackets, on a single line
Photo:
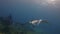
[(7, 26)]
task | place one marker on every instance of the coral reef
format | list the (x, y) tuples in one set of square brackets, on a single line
[(7, 26)]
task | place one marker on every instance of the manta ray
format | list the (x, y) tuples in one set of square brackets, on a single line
[(37, 22)]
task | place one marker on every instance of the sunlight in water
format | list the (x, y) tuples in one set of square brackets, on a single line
[(43, 3), (51, 1), (46, 2)]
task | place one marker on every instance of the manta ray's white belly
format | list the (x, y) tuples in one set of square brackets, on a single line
[(36, 22)]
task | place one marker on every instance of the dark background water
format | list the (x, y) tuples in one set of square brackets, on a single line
[(25, 11)]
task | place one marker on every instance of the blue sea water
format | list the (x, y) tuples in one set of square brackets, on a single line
[(23, 12)]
